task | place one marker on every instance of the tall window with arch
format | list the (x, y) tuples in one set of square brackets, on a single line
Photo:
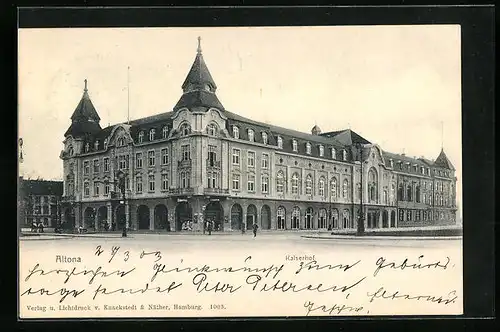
[(308, 148), (334, 153), (321, 151), (295, 183), (164, 132), (344, 155), (185, 129), (345, 219), (251, 135), (141, 137), (281, 220), (294, 145), (236, 132), (280, 182), (152, 134), (386, 198), (372, 185), (296, 218), (309, 182), (321, 187), (322, 219), (333, 188), (345, 189)]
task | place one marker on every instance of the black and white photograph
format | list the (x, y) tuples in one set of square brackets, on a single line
[(240, 171)]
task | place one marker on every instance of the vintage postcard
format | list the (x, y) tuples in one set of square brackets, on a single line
[(240, 172)]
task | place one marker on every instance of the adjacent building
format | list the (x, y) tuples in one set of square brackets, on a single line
[(201, 161), (39, 202)]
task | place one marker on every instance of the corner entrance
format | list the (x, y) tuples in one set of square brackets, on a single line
[(183, 214), (214, 212)]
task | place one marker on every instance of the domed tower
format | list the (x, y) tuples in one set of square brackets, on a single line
[(316, 130)]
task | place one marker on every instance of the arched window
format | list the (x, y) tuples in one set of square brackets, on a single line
[(321, 151), (295, 183), (211, 129), (121, 141), (321, 187), (309, 185), (236, 132), (250, 135), (333, 188), (372, 185), (294, 145), (70, 151), (334, 153), (345, 219), (308, 148), (164, 132), (280, 213), (295, 218), (280, 142), (344, 155), (280, 181), (409, 193), (185, 129), (264, 138), (386, 199), (345, 189), (141, 137), (96, 145), (152, 134)]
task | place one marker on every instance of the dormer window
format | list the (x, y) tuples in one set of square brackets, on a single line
[(236, 132), (308, 148), (164, 132), (96, 145), (280, 142), (87, 147), (250, 135), (344, 155), (152, 134), (391, 163), (121, 141), (334, 153), (415, 168), (264, 138), (105, 142), (428, 171), (141, 137), (211, 129), (185, 129), (294, 145), (321, 151)]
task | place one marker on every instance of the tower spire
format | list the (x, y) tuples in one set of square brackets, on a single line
[(198, 50), (85, 83), (442, 135)]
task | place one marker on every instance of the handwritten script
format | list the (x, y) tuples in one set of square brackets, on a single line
[(124, 279)]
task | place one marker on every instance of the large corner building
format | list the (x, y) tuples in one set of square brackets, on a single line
[(201, 161)]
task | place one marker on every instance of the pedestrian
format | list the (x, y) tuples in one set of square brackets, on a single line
[(255, 227), (209, 228), (204, 227)]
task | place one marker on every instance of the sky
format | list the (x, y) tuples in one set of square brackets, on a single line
[(397, 86)]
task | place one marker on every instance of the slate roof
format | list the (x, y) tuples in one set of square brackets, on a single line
[(443, 161), (346, 137), (199, 74), (83, 128), (85, 109), (199, 98)]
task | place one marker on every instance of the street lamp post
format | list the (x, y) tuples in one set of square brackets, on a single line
[(361, 220), (121, 183)]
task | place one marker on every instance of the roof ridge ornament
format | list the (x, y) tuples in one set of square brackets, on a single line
[(198, 50), (85, 83)]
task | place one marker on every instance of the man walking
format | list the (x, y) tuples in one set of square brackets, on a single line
[(255, 227)]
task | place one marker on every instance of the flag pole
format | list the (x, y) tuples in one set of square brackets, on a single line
[(128, 95)]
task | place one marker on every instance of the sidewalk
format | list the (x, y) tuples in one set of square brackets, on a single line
[(379, 237)]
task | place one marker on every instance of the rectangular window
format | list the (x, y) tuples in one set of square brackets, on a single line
[(265, 161), (265, 184), (138, 160), (106, 188), (106, 164), (122, 162), (321, 151), (212, 156), (96, 188), (251, 183), (96, 166), (236, 156), (86, 168), (86, 189), (186, 152), (138, 184), (236, 182), (164, 156), (251, 159), (151, 181), (164, 182), (151, 158)]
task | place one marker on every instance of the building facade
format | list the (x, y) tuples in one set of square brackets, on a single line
[(39, 202), (201, 161)]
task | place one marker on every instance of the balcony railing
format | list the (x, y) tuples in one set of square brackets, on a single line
[(68, 198), (216, 191), (181, 191), (184, 163), (214, 164)]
